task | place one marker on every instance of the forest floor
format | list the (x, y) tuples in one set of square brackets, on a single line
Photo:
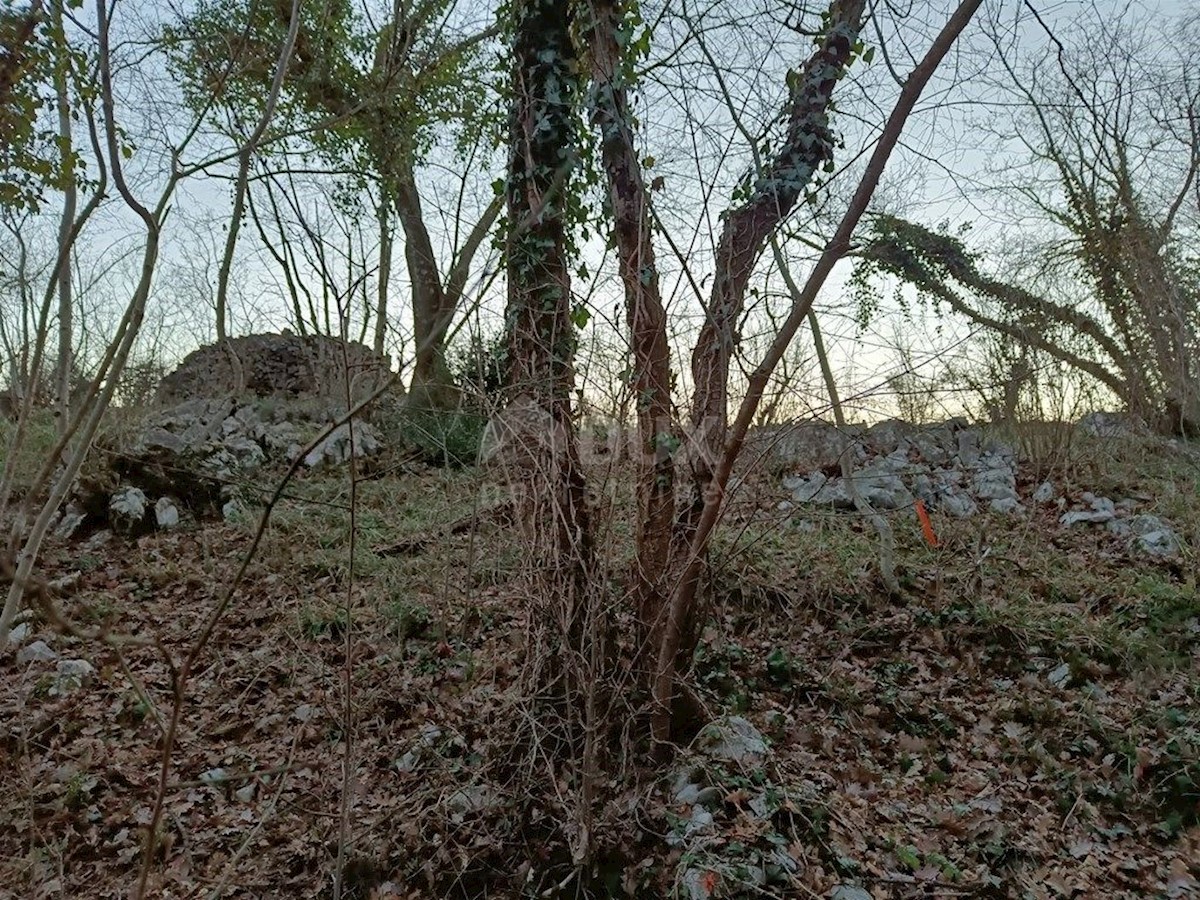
[(1024, 721)]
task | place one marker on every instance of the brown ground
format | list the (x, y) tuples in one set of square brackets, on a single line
[(1023, 722)]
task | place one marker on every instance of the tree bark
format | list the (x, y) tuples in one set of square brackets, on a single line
[(541, 333), (644, 311), (431, 384), (808, 145), (385, 276)]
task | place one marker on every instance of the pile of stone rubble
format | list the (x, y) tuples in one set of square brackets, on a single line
[(196, 455), (951, 467)]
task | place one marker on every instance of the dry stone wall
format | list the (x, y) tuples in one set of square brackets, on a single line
[(279, 365)]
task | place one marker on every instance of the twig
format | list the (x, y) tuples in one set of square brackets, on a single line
[(348, 662)]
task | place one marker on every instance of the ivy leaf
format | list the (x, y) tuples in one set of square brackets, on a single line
[(908, 856)]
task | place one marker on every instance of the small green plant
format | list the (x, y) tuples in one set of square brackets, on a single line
[(781, 667), (908, 856), (101, 611), (323, 623), (78, 790), (1176, 783), (407, 619), (716, 671)]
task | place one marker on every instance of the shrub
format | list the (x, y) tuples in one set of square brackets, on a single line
[(442, 437)]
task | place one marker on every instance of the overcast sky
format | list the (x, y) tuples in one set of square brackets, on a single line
[(954, 156)]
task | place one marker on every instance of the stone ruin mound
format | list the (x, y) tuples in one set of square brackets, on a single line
[(951, 467), (228, 412), (282, 365)]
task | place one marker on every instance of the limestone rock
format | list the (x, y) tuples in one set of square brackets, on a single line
[(935, 447), (1102, 510), (128, 510), (471, 799), (732, 739), (1153, 536), (1084, 517), (1045, 493), (38, 651), (72, 675), (1109, 424), (72, 517), (233, 510), (336, 448), (880, 484), (997, 479), (806, 446), (889, 435), (166, 513), (957, 503), (968, 447)]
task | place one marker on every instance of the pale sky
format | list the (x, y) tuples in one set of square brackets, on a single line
[(947, 170)]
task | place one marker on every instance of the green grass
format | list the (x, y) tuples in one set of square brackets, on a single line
[(39, 440)]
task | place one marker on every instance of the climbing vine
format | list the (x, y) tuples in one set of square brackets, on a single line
[(552, 177), (930, 261)]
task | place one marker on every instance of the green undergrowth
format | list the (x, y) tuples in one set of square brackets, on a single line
[(39, 440)]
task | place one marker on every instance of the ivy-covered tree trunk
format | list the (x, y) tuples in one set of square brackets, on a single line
[(808, 144), (541, 349), (665, 547)]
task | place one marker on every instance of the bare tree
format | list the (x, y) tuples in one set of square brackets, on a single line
[(375, 119), (65, 368), (245, 157), (62, 465)]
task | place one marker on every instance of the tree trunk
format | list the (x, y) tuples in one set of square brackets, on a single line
[(672, 653), (808, 145), (65, 369), (385, 276), (431, 385), (644, 313), (541, 342), (245, 157)]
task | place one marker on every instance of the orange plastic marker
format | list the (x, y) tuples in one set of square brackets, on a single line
[(926, 524)]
